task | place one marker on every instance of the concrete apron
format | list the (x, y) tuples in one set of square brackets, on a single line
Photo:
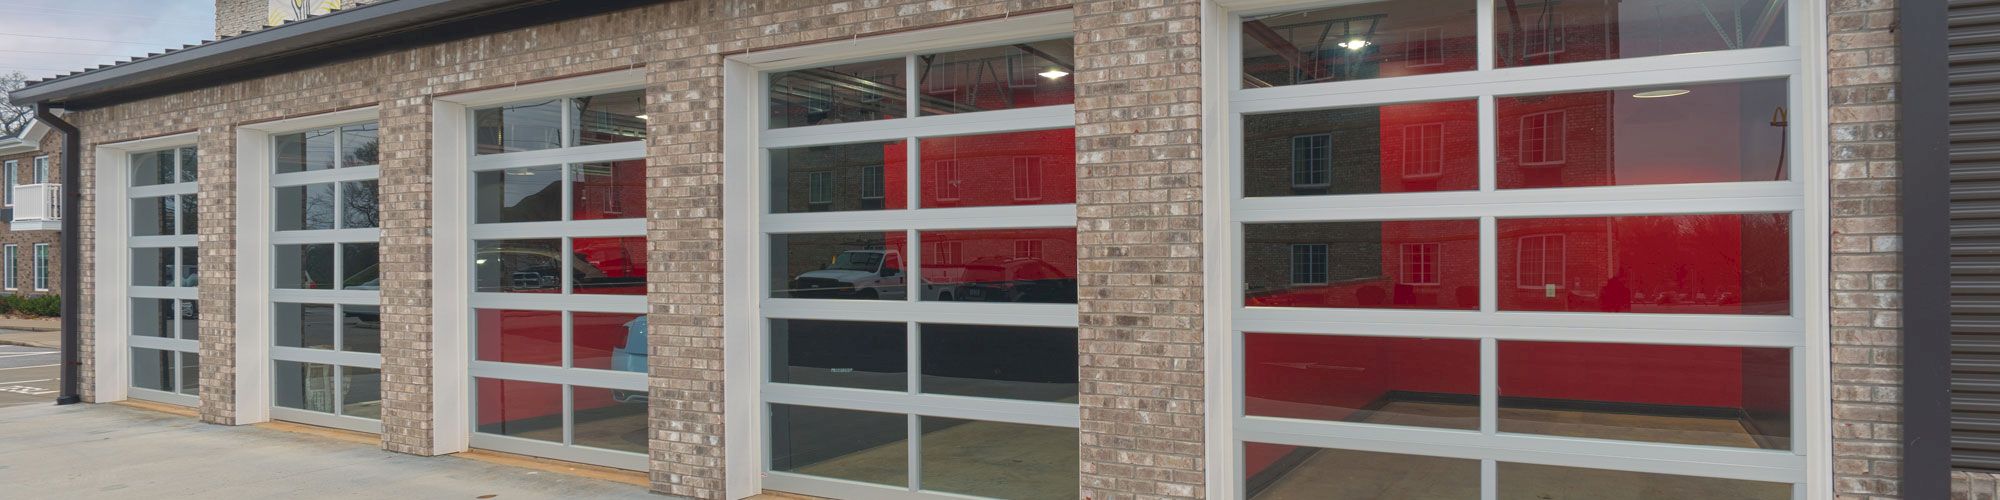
[(113, 451)]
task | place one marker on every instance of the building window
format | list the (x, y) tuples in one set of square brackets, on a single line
[(1312, 161), (822, 188), (1543, 138), (1423, 150), (12, 176), (1309, 264), (978, 249), (41, 267), (10, 256), (1540, 261), (1546, 37), (558, 320), (41, 170), (1027, 178), (1426, 47), (1420, 261), (871, 183)]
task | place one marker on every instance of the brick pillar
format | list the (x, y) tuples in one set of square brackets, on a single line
[(684, 234), (1138, 109), (217, 289), (406, 276), (1867, 276)]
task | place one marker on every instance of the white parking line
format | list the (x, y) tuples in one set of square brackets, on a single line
[(26, 381), (19, 354), (25, 367)]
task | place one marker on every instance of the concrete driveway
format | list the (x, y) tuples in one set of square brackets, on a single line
[(114, 451)]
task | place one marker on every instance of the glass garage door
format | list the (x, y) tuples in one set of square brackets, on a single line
[(165, 330), (920, 319), (559, 279), (326, 314), (1499, 250)]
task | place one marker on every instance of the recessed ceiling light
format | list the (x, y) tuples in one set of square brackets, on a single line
[(646, 117), (1656, 94), (1355, 44), (1054, 74)]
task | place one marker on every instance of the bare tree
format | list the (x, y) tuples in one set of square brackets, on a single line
[(13, 119)]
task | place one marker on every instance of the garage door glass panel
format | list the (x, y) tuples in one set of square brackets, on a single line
[(303, 325), (359, 145), (1284, 472), (509, 336), (303, 386), (1375, 380), (839, 177), (154, 216), (527, 126), (306, 151), (358, 266), (526, 194), (1530, 34), (361, 392), (608, 341), (153, 266), (152, 369), (190, 319), (1699, 395), (841, 444), (609, 266), (528, 410), (153, 318), (359, 205), (1005, 265), (1007, 362), (609, 118), (1683, 264), (305, 207), (361, 329), (608, 190), (854, 354), (153, 168), (609, 419), (1381, 39), (518, 266), (1425, 264), (1021, 75), (1015, 168), (966, 457), (1517, 480), (842, 93), (1661, 134), (1399, 148), (864, 266), (303, 266)]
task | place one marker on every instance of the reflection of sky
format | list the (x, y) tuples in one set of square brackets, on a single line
[(1655, 27)]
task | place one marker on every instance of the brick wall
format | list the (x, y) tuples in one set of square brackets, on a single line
[(237, 16), (1866, 280), (1138, 109)]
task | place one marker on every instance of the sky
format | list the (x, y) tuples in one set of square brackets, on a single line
[(45, 38)]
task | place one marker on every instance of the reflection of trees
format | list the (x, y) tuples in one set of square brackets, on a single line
[(362, 204), (368, 153), (319, 207)]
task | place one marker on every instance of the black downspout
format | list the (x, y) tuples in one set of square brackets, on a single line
[(72, 255), (1924, 143)]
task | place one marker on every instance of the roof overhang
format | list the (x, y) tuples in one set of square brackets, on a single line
[(29, 141), (358, 32)]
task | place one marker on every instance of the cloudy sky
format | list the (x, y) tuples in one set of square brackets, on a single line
[(43, 38)]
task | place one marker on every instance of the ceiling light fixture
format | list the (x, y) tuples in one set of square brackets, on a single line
[(1054, 74), (1656, 94), (1355, 44)]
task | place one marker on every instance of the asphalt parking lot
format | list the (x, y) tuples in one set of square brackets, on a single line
[(28, 375)]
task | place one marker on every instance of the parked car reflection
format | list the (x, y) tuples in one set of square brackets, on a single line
[(879, 274), (519, 269)]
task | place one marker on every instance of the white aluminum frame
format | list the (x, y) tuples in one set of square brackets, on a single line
[(112, 342), (749, 219), (256, 180), (454, 366), (1803, 196)]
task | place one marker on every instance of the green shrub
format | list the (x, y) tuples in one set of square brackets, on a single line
[(46, 306), (10, 303)]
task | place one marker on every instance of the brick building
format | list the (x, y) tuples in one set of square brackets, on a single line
[(29, 264), (1027, 248)]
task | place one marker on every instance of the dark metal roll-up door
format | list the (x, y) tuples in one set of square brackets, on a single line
[(1974, 110)]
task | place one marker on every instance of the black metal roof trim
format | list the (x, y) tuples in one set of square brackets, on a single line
[(377, 26)]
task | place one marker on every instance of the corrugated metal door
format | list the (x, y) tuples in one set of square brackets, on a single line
[(1975, 233)]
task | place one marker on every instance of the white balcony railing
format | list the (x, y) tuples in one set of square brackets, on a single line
[(37, 207)]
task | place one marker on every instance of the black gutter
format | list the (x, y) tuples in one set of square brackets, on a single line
[(1924, 145), (72, 256)]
